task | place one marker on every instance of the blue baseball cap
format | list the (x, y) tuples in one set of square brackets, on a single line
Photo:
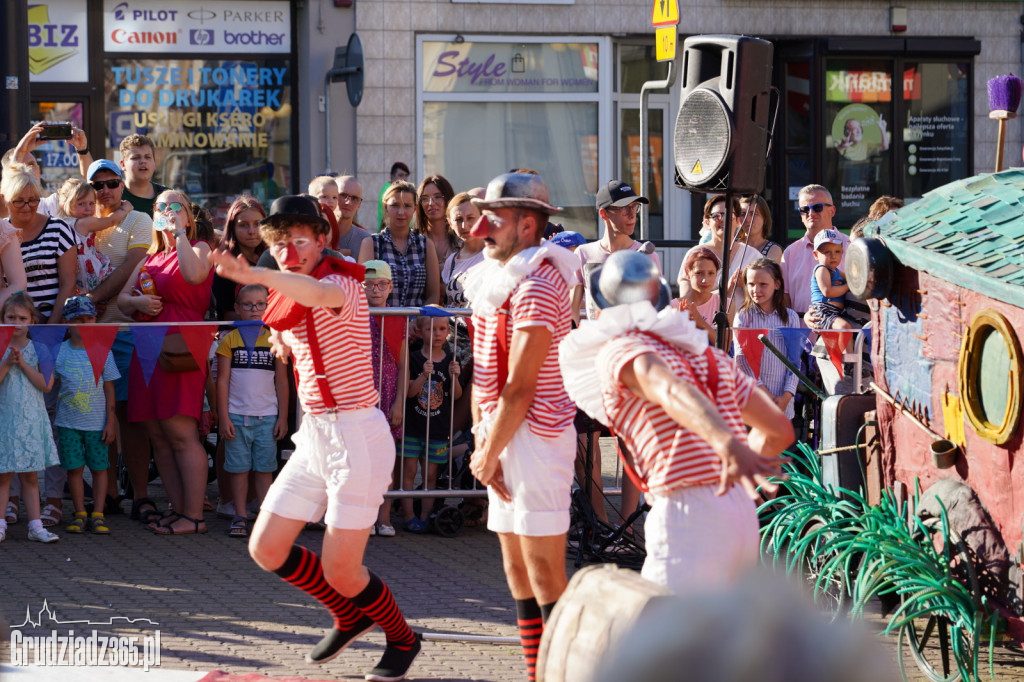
[(76, 306), (568, 239), (103, 164)]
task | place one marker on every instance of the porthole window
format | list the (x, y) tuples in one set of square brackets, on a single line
[(990, 376)]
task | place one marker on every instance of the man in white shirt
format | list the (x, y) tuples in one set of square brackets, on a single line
[(816, 211)]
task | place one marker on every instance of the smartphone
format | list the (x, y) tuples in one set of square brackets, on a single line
[(55, 131)]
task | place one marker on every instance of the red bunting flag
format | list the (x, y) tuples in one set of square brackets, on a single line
[(751, 348), (97, 339), (5, 339), (835, 343), (198, 338)]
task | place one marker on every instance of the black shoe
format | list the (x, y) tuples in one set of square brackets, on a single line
[(336, 641), (395, 663)]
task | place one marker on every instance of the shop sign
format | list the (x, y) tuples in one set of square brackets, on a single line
[(868, 86), (188, 27), (58, 42), (509, 67)]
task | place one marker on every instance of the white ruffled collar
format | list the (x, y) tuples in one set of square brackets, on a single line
[(489, 284), (577, 354)]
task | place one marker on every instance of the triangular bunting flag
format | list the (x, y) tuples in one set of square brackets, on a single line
[(751, 348), (797, 340), (98, 340), (5, 339), (46, 339), (148, 340), (835, 343), (198, 339), (249, 330), (394, 333)]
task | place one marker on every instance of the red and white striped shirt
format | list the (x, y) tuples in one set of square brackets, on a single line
[(668, 456), (541, 298), (344, 339)]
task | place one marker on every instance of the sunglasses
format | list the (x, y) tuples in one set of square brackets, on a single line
[(817, 208), (101, 184), (716, 216), (161, 206), (349, 198)]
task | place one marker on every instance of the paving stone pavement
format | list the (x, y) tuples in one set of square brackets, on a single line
[(217, 610)]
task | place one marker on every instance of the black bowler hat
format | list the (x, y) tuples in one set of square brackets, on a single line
[(292, 209), (617, 193)]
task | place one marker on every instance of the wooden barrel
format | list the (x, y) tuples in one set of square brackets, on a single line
[(598, 607)]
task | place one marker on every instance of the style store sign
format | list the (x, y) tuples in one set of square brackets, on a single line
[(262, 26), (509, 67)]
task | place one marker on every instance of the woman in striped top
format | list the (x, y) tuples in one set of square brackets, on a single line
[(47, 244)]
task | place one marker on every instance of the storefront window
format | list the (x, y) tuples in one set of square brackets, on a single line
[(631, 162), (535, 104), (858, 118), (221, 127), (559, 140), (637, 65), (936, 134)]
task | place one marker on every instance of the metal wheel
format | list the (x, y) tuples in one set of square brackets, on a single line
[(448, 521), (934, 641)]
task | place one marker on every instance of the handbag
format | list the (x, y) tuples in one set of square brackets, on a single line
[(177, 362)]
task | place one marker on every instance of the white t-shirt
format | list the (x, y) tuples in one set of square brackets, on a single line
[(593, 254)]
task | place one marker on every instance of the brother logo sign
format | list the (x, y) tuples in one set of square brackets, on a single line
[(253, 38)]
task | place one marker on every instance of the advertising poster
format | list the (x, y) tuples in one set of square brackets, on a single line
[(58, 43), (858, 110), (221, 127)]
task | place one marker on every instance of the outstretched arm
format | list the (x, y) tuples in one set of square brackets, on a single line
[(300, 288), (650, 378)]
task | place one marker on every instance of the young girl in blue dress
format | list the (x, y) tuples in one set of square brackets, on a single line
[(26, 441)]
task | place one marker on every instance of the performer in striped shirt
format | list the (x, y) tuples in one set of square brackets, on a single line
[(522, 414), (681, 406), (344, 452)]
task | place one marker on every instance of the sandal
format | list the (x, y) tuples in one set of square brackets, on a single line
[(145, 510), (166, 518), (98, 524), (415, 525), (239, 528), (169, 529), (77, 525), (51, 516), (11, 515)]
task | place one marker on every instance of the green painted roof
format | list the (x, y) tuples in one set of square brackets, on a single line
[(969, 232)]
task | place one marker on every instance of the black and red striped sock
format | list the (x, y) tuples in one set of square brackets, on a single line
[(531, 627), (377, 602), (302, 569)]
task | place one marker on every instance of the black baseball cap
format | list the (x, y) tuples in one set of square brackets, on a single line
[(617, 193)]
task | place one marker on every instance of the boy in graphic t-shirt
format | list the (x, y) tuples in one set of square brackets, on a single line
[(252, 399)]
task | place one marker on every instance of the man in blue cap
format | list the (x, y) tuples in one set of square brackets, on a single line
[(525, 440)]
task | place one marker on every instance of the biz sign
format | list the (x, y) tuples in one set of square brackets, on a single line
[(58, 42), (192, 27), (509, 67)]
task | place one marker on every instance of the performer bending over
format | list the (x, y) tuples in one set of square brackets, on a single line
[(680, 405), (343, 451), (522, 415)]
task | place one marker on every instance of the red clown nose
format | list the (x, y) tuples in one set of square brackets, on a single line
[(481, 228)]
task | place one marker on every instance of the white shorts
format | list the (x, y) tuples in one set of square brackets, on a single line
[(342, 463), (538, 474), (698, 541)]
